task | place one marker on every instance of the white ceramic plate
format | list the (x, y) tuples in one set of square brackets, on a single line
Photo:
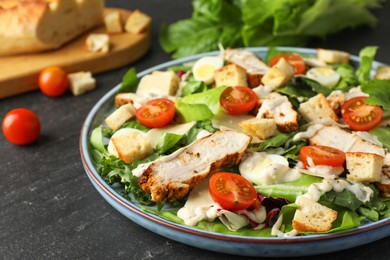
[(239, 245)]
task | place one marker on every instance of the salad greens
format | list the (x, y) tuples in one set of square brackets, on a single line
[(246, 23), (201, 104)]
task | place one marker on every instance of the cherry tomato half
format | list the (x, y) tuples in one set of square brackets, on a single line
[(238, 100), (232, 191), (21, 126), (361, 116), (293, 59), (53, 81), (156, 113), (322, 155)]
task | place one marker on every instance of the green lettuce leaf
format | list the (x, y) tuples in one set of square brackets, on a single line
[(366, 56), (238, 23), (96, 139), (192, 112), (167, 141), (129, 82), (383, 135), (378, 91), (348, 77), (192, 87), (288, 190), (209, 98)]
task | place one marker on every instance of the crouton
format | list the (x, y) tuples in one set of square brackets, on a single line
[(81, 82), (313, 217), (98, 42), (120, 116), (278, 75), (124, 98), (137, 22), (132, 145), (383, 72), (113, 22), (364, 167), (230, 75), (262, 128), (316, 109), (332, 56), (160, 83)]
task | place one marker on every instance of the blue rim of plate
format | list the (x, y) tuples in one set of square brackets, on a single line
[(239, 245)]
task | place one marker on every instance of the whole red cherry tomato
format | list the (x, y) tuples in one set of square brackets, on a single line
[(21, 126), (53, 81)]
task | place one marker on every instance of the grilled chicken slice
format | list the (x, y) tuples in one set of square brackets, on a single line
[(278, 107), (336, 137), (172, 177), (246, 60)]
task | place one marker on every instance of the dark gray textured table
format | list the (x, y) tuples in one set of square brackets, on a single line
[(50, 210)]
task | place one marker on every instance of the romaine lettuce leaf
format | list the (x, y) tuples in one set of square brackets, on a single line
[(366, 56), (167, 141), (288, 190), (129, 82), (192, 112), (96, 139), (238, 23), (192, 87), (383, 135), (378, 91), (210, 98)]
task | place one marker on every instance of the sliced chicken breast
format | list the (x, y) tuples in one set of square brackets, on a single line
[(246, 60), (172, 177), (278, 107), (336, 137)]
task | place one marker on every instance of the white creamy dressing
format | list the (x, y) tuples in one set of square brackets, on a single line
[(275, 231), (266, 169), (324, 171), (236, 220), (316, 190), (199, 206), (310, 132)]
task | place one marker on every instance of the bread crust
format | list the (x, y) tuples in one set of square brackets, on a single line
[(28, 26)]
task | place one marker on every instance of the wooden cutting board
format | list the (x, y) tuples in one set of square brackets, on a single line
[(19, 74)]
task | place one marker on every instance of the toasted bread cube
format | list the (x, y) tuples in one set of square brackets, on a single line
[(364, 167), (383, 72), (132, 145), (230, 75), (161, 83), (113, 22), (316, 109), (81, 82), (98, 42), (262, 128), (120, 116), (123, 99), (279, 75), (313, 217), (137, 22), (332, 56)]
